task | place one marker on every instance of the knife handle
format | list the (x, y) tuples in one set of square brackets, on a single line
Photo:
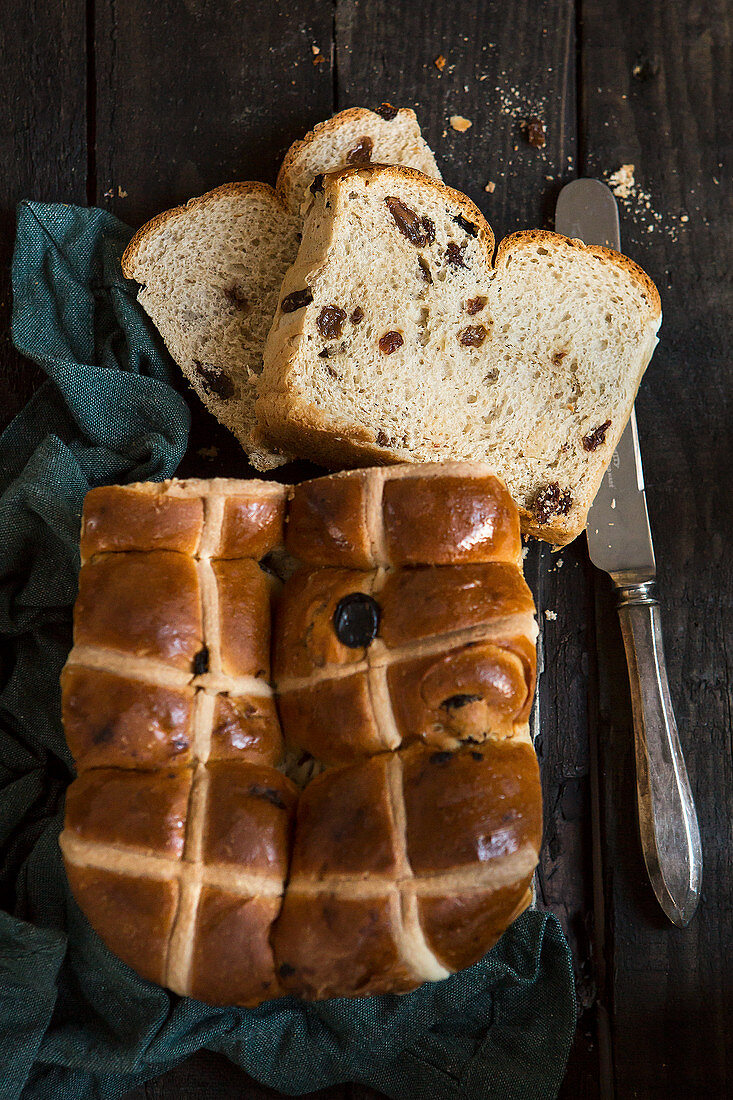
[(670, 835)]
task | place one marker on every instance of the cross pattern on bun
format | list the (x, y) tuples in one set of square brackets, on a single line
[(409, 845), (210, 271), (401, 336)]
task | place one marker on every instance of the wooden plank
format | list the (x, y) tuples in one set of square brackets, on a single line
[(42, 142), (656, 95)]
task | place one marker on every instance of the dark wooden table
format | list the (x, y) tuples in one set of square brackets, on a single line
[(136, 106)]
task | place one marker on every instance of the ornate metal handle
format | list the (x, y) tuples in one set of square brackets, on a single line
[(670, 835)]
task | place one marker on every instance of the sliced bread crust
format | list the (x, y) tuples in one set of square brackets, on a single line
[(529, 361), (354, 137), (210, 270)]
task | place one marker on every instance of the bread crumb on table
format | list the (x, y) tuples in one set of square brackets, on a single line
[(622, 181), (439, 62), (551, 615), (459, 123), (490, 187)]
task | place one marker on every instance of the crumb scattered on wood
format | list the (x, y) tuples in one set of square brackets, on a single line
[(439, 62), (622, 181), (535, 132), (551, 615), (459, 123), (490, 187), (318, 58)]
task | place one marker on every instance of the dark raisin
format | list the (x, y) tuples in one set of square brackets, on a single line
[(356, 620), (214, 380), (593, 439), (103, 736), (317, 184), (201, 662), (440, 757), (465, 224), (386, 111), (472, 336), (456, 701), (454, 255), (269, 794), (428, 228), (236, 296), (296, 300), (383, 439), (475, 305), (390, 342), (419, 231), (179, 744), (558, 357), (425, 273), (330, 322), (357, 316), (551, 500), (361, 153), (325, 353), (535, 132), (285, 970), (477, 756)]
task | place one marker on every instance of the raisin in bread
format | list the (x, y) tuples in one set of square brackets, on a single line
[(400, 337), (211, 270)]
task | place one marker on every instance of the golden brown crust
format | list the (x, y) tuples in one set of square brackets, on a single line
[(118, 518), (141, 604), (133, 916), (424, 602), (246, 727), (470, 806), (327, 522), (328, 946), (345, 824), (461, 928), (142, 810), (243, 591), (311, 714), (232, 960), (452, 519), (116, 721)]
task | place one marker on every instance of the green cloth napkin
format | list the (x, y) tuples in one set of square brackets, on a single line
[(75, 1022)]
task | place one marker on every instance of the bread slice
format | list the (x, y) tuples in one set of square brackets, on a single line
[(413, 343), (210, 274), (211, 270), (354, 137)]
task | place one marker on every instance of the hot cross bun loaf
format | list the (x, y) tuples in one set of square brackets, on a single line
[(403, 670)]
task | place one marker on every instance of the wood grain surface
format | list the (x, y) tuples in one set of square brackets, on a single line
[(136, 107)]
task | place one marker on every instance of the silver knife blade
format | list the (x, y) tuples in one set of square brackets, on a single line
[(619, 535), (620, 542)]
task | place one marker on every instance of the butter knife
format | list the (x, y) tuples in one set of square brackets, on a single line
[(620, 543)]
